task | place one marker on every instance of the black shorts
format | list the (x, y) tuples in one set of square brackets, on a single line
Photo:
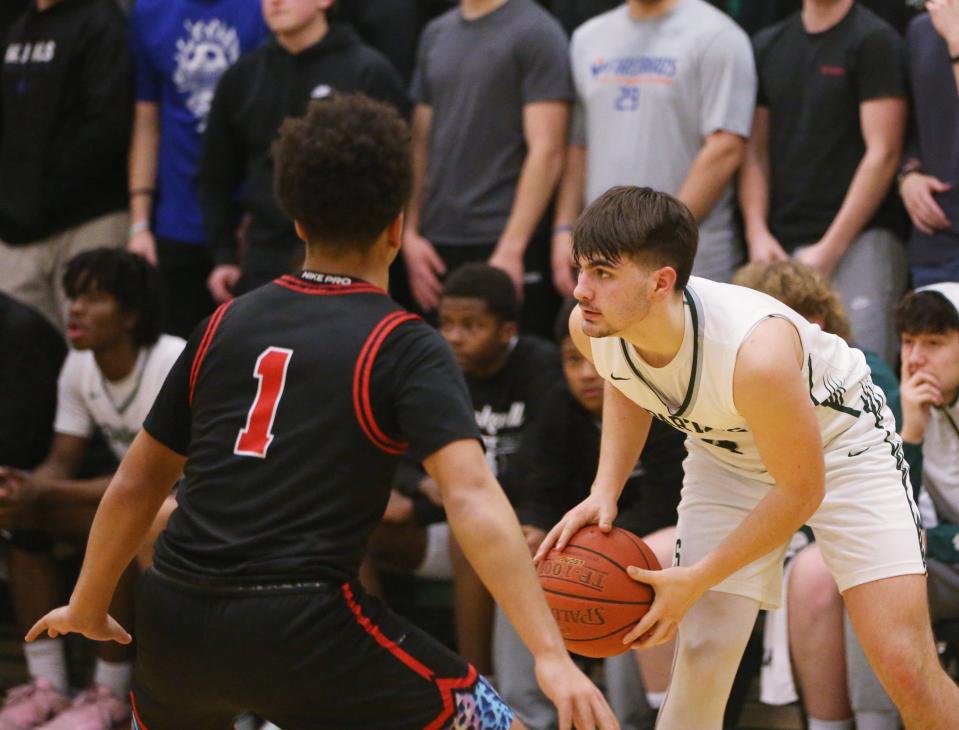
[(305, 657)]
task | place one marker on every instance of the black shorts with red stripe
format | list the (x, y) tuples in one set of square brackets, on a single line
[(305, 656)]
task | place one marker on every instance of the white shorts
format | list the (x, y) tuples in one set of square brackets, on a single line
[(867, 525)]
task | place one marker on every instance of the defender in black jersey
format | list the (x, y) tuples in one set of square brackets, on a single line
[(286, 415)]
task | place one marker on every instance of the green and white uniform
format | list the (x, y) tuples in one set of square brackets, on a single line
[(867, 525)]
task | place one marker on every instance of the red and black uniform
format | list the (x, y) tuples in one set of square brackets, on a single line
[(292, 405)]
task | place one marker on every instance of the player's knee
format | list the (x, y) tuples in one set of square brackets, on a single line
[(903, 663), (708, 650)]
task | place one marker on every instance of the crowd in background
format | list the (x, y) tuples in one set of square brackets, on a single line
[(816, 141)]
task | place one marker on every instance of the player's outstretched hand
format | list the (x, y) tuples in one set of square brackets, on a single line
[(64, 620), (677, 589), (579, 704), (594, 510)]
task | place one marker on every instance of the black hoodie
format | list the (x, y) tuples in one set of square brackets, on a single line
[(66, 106), (252, 99)]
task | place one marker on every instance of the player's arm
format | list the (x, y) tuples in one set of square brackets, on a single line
[(624, 432), (489, 533), (143, 480), (144, 151), (769, 392), (569, 204)]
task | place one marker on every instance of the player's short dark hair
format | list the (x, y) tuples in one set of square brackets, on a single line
[(488, 284), (128, 278), (925, 313), (638, 223), (561, 323), (343, 170)]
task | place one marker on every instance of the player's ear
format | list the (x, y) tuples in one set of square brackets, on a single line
[(301, 232), (394, 234), (664, 282), (507, 331)]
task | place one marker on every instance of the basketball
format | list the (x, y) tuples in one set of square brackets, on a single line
[(591, 595)]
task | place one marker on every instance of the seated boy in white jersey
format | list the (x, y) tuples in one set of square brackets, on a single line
[(784, 428), (108, 381)]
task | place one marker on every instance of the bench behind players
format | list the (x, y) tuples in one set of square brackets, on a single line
[(287, 414)]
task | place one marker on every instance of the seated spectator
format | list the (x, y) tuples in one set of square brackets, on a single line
[(559, 456), (307, 58), (109, 381), (65, 109), (811, 640), (930, 171), (827, 138), (181, 48), (492, 93), (928, 324), (33, 352)]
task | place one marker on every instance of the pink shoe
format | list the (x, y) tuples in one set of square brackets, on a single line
[(94, 709), (30, 705)]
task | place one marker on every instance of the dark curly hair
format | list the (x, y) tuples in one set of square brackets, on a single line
[(343, 170), (490, 285), (128, 278)]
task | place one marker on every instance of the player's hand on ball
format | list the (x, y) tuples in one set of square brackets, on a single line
[(594, 510), (66, 620), (677, 589), (579, 704)]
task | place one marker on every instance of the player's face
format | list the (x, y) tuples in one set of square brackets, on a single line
[(584, 382), (479, 340), (612, 296), (936, 353), (95, 320), (291, 16)]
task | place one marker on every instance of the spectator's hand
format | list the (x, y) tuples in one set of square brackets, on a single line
[(563, 264), (594, 510), (764, 249), (424, 267), (918, 393), (510, 262), (222, 280), (399, 509), (431, 491), (534, 537), (578, 702), (67, 620), (676, 590), (20, 495), (144, 244), (917, 191), (819, 257), (945, 19)]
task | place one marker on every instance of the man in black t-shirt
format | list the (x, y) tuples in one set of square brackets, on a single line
[(826, 142), (285, 415)]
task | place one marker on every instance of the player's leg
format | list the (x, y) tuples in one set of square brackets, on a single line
[(656, 663), (712, 638), (816, 638), (891, 618), (871, 705)]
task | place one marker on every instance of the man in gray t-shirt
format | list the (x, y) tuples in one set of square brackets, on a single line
[(492, 93), (665, 91)]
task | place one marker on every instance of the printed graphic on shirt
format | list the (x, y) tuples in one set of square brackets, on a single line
[(38, 52), (209, 48), (629, 73), (501, 433)]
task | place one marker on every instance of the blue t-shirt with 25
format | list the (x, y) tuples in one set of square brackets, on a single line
[(182, 47)]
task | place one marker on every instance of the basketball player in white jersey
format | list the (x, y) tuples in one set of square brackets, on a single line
[(784, 428)]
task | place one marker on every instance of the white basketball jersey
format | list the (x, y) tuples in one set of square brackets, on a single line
[(694, 393)]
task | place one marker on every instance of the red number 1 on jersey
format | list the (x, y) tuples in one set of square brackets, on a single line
[(270, 370)]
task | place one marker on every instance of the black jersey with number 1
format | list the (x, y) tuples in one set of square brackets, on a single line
[(292, 405)]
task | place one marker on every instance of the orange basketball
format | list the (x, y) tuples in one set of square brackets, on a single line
[(591, 595)]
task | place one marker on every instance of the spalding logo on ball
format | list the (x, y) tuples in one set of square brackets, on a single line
[(591, 595)]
